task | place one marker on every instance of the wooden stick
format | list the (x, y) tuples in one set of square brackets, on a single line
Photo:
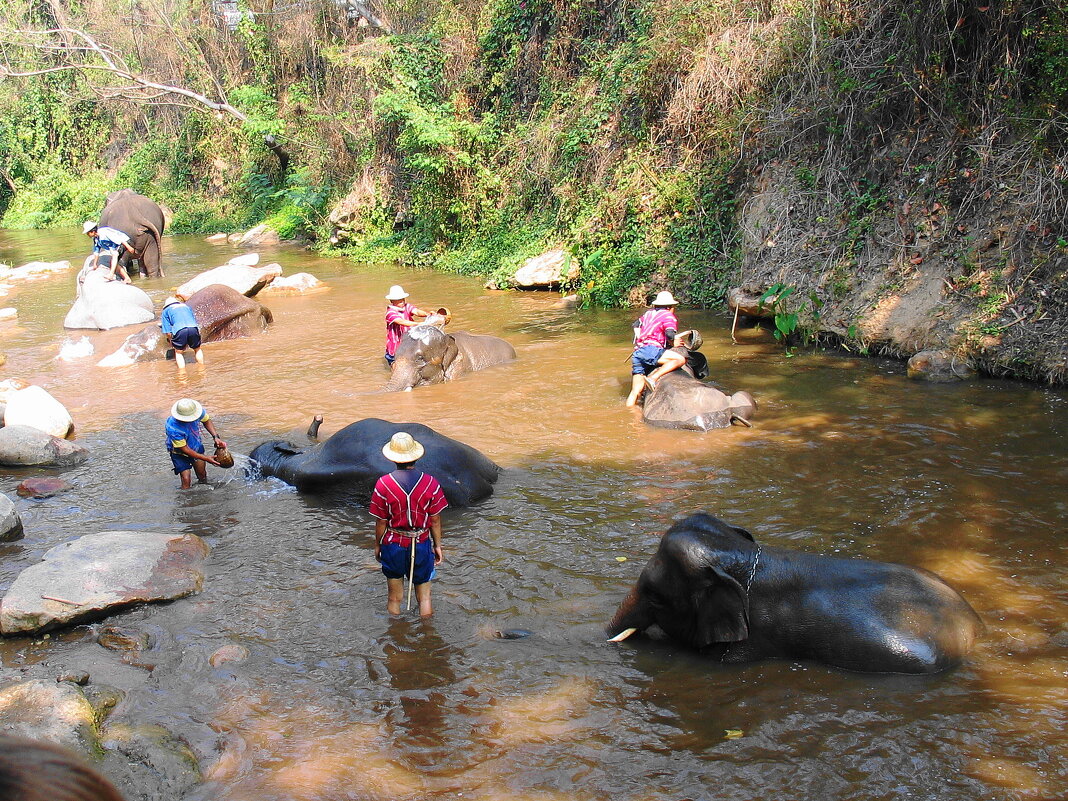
[(411, 574), (61, 600), (734, 325)]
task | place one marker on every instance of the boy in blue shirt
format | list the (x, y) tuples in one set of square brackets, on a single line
[(184, 443), (180, 327)]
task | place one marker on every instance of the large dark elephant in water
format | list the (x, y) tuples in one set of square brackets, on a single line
[(681, 400), (427, 354), (143, 221), (351, 461), (712, 587)]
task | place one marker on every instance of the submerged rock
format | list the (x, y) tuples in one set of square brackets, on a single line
[(104, 304), (99, 573), (10, 521), (298, 282), (25, 445), (228, 653), (43, 487), (940, 367), (33, 406)]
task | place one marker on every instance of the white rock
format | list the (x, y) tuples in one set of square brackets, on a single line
[(34, 270), (547, 270), (246, 259), (243, 278), (75, 349), (34, 407), (260, 235), (215, 238), (8, 313), (299, 282), (10, 386)]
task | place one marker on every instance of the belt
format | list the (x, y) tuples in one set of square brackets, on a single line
[(403, 537)]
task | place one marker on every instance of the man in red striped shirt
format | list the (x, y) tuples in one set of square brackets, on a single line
[(408, 504), (654, 333)]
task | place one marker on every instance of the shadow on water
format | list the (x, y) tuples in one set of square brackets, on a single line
[(337, 701)]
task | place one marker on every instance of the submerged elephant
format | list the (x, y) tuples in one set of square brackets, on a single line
[(221, 313), (712, 587), (351, 461), (429, 355), (680, 400), (143, 221)]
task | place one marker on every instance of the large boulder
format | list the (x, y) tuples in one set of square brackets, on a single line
[(34, 407), (240, 274), (260, 235), (10, 521), (746, 300), (25, 445), (221, 313), (104, 304), (99, 573), (551, 269), (939, 367)]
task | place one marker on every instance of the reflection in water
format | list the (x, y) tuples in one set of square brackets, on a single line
[(338, 701)]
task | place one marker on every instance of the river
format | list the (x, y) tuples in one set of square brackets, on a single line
[(338, 701)]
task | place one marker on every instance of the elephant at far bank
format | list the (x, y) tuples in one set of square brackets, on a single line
[(427, 354), (143, 221)]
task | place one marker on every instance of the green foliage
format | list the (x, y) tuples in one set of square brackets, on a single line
[(790, 315), (56, 197)]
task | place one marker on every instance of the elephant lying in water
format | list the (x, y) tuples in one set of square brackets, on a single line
[(680, 400), (711, 586), (427, 354), (351, 461)]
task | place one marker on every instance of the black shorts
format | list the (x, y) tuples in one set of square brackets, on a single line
[(186, 338)]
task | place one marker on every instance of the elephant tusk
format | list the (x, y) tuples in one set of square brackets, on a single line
[(622, 635)]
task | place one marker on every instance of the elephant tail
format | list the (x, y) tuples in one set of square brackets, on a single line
[(157, 236)]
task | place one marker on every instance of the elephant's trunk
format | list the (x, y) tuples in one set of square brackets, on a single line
[(404, 377), (632, 614), (313, 429)]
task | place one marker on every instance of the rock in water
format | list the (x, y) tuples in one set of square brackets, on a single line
[(25, 445), (10, 521), (93, 575), (243, 278), (33, 406), (71, 349), (44, 487), (45, 710), (228, 653)]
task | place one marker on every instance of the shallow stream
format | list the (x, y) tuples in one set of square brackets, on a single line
[(338, 701)]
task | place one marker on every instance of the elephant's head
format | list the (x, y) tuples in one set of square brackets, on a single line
[(694, 587), (423, 356)]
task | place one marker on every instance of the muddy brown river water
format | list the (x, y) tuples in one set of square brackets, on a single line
[(338, 701)]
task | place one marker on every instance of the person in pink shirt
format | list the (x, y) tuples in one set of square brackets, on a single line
[(400, 315), (408, 504), (654, 335)]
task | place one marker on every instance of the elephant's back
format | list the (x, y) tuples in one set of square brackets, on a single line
[(491, 349)]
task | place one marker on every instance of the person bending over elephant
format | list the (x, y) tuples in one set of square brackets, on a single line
[(712, 587), (108, 245), (143, 221), (654, 335)]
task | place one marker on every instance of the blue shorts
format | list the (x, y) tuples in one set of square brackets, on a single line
[(186, 338), (395, 560), (645, 358), (182, 462), (390, 359)]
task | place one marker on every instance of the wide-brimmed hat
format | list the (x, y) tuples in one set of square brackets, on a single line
[(171, 301), (396, 292), (402, 448), (187, 410), (88, 226), (665, 298)]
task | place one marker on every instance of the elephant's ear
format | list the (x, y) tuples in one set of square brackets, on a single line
[(744, 533), (722, 610), (288, 449), (450, 353)]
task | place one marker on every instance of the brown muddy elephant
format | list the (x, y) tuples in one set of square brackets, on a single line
[(221, 313), (427, 354), (143, 221), (680, 400)]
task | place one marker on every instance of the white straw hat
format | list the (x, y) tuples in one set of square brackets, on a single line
[(171, 301), (665, 298), (402, 448), (396, 292), (88, 226), (187, 410)]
